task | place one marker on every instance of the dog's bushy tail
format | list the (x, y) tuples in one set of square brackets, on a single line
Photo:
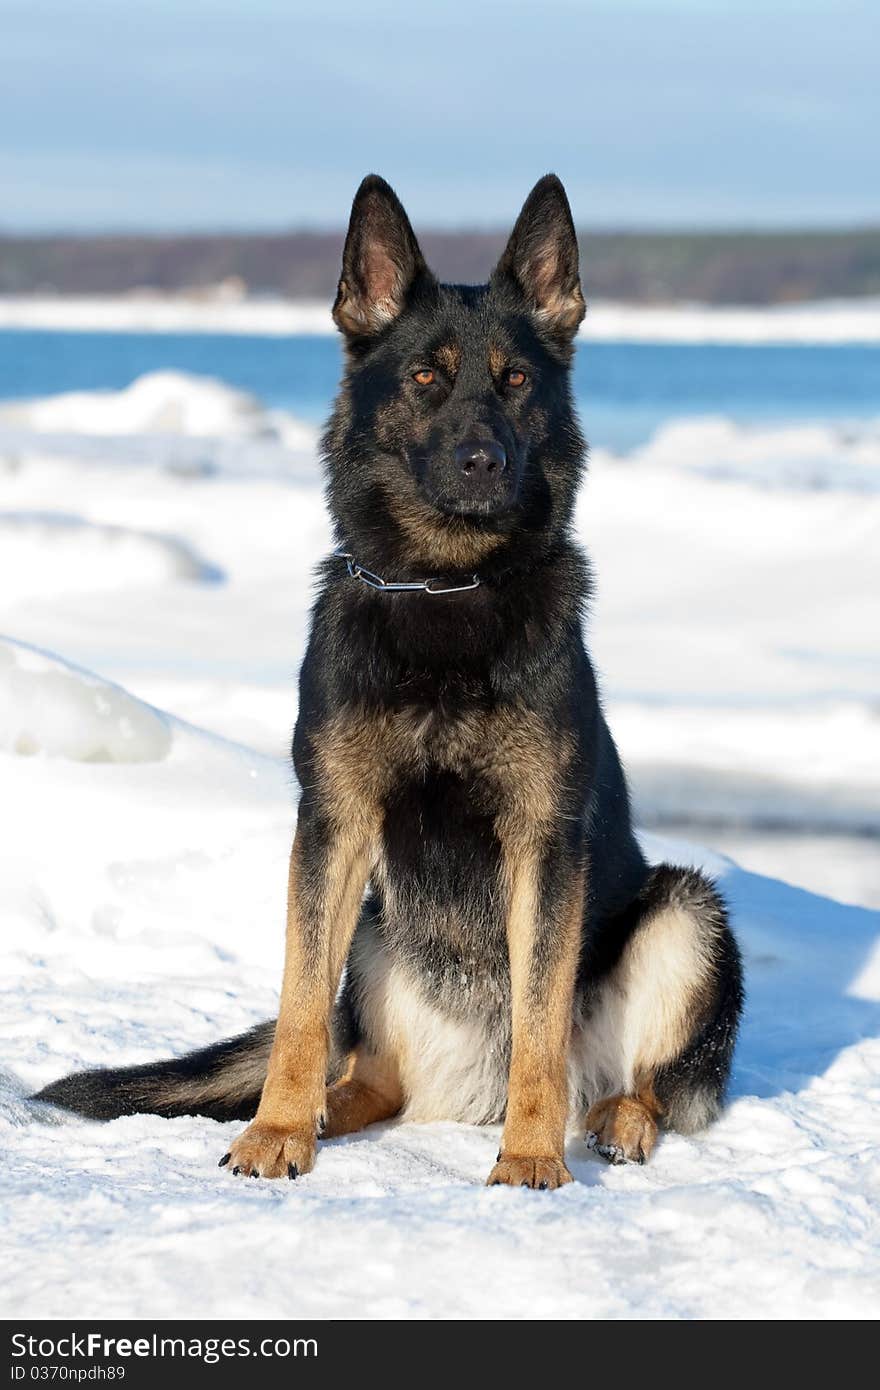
[(223, 1081)]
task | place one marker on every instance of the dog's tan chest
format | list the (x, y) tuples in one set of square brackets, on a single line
[(509, 755)]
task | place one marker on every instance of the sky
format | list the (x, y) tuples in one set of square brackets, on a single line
[(265, 114)]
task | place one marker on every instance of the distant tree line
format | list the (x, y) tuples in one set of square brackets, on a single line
[(720, 268)]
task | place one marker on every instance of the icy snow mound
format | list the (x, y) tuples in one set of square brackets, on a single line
[(46, 553), (817, 455), (167, 403), (52, 708)]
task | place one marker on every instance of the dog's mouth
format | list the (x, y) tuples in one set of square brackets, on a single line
[(475, 510)]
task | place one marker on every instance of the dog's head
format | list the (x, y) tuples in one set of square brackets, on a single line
[(455, 424)]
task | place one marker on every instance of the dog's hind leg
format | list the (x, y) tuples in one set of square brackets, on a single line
[(366, 1084), (660, 1017), (623, 1129), (369, 1091)]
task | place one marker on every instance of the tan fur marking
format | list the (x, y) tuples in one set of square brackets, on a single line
[(625, 1127), (497, 359), (449, 358), (355, 758), (347, 313), (564, 311), (284, 1130), (511, 749), (562, 307), (370, 1091), (530, 764), (439, 541), (537, 1097), (356, 315)]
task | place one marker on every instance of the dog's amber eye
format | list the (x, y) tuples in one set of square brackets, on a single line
[(515, 377), (424, 378)]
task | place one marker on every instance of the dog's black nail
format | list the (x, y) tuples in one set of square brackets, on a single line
[(224, 1160), (236, 1170), (498, 1156), (254, 1173), (292, 1171), (322, 1123), (542, 1186)]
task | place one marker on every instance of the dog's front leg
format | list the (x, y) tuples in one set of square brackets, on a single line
[(544, 925), (329, 865)]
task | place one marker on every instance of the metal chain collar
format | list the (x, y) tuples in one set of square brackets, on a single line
[(375, 581)]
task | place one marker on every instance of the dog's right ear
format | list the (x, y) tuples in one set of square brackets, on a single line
[(381, 262), (542, 259)]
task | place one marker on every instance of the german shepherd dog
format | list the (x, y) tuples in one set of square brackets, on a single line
[(464, 853)]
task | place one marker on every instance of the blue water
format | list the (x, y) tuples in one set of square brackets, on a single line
[(624, 390)]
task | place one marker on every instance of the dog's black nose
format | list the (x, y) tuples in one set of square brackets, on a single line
[(481, 458)]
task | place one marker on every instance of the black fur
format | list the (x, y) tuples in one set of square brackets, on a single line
[(442, 463), (197, 1084)]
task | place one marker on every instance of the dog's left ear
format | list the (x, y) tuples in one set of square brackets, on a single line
[(542, 258), (381, 262)]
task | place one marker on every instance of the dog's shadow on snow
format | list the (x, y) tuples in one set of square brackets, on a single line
[(807, 964)]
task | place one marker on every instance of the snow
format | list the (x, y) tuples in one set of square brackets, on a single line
[(166, 402), (817, 321), (154, 589), (805, 455), (92, 555), (50, 707)]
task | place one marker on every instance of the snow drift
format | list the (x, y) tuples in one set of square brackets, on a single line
[(841, 457), (161, 929), (49, 707), (176, 403), (76, 555)]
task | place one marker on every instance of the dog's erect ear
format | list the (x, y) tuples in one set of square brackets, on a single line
[(542, 258), (380, 264)]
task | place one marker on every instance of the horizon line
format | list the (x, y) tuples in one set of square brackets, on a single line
[(806, 229)]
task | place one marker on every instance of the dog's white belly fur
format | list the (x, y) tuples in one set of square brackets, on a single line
[(453, 1069), (457, 1069), (450, 1069)]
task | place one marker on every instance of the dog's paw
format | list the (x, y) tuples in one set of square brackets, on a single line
[(622, 1130), (265, 1151), (528, 1172), (612, 1153)]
